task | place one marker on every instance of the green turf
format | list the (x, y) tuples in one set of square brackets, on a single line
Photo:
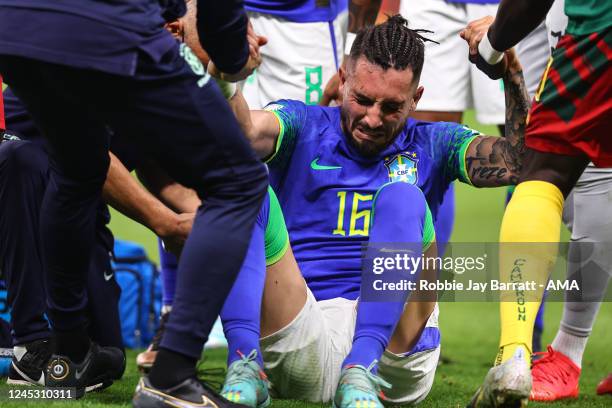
[(469, 330), (469, 339)]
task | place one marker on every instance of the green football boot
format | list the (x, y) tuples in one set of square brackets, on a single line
[(246, 383), (359, 388)]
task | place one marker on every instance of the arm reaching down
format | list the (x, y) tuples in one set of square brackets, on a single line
[(514, 20), (174, 195), (127, 196), (222, 28)]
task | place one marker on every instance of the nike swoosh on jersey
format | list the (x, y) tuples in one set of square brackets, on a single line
[(316, 166), (108, 277)]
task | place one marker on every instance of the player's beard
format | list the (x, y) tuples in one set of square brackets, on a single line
[(367, 148)]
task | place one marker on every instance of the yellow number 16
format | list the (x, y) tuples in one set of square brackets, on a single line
[(356, 216)]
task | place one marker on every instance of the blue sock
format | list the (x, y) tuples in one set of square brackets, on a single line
[(242, 309), (399, 214), (168, 266)]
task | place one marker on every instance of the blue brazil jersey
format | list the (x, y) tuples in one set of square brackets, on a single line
[(325, 187), (300, 11)]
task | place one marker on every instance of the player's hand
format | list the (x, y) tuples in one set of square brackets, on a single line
[(255, 41), (177, 234), (473, 35), (331, 93), (177, 29)]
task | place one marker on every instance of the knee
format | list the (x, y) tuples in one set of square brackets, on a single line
[(401, 199)]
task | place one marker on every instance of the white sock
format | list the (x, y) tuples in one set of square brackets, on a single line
[(570, 345)]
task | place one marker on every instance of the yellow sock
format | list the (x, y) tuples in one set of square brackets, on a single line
[(529, 238)]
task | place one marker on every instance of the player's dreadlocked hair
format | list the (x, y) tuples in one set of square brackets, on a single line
[(391, 45)]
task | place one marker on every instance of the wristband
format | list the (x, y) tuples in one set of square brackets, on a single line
[(488, 53), (350, 39)]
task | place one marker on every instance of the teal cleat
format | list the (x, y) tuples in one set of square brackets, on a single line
[(246, 383), (359, 388)]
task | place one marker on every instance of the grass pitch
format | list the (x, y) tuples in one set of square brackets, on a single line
[(469, 330), (469, 344)]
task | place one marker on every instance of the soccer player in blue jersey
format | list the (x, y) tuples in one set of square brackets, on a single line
[(362, 173)]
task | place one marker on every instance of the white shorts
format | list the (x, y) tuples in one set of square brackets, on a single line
[(297, 62), (452, 83), (303, 359)]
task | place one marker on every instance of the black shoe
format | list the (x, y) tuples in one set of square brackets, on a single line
[(189, 393), (29, 363), (100, 367)]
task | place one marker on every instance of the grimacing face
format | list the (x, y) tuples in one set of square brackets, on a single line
[(375, 104)]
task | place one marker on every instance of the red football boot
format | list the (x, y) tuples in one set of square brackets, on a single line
[(555, 377), (605, 386)]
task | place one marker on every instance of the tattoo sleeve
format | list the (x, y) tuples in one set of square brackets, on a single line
[(362, 13), (497, 161)]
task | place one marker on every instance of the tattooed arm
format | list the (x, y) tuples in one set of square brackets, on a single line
[(493, 161)]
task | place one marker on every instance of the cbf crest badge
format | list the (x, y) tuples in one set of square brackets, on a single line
[(403, 167)]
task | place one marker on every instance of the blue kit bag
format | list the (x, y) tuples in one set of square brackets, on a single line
[(140, 302)]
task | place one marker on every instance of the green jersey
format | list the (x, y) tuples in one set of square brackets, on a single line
[(588, 16)]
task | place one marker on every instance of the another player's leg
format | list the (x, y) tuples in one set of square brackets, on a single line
[(246, 382), (534, 52), (103, 293), (556, 375), (208, 153), (78, 166), (23, 178), (393, 224), (532, 216), (559, 145)]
